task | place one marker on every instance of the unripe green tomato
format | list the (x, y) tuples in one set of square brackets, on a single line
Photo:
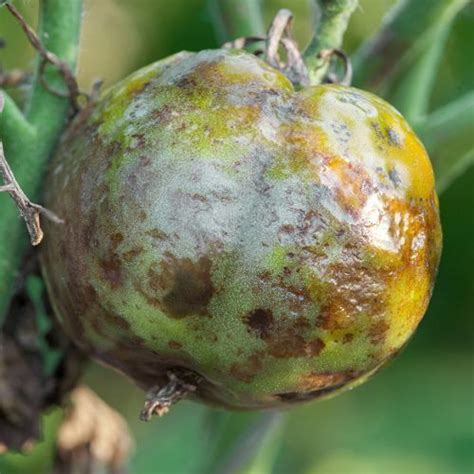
[(280, 244)]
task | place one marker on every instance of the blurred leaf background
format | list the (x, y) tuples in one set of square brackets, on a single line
[(416, 416)]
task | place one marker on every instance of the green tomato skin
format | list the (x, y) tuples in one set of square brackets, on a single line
[(281, 245)]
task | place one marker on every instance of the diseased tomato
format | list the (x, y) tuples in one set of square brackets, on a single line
[(279, 245)]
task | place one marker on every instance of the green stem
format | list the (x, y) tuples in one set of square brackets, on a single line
[(333, 21), (28, 153), (236, 18), (13, 121)]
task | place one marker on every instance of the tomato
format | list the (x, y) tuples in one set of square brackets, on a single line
[(276, 245)]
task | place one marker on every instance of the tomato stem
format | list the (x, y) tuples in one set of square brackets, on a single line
[(29, 139), (334, 16), (235, 18)]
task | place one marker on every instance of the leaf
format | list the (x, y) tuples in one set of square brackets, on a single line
[(264, 460), (447, 134), (51, 357), (450, 170), (240, 439), (408, 32)]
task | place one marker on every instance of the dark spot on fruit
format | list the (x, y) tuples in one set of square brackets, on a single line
[(88, 235), (142, 216), (116, 321), (315, 347), (378, 332), (131, 254), (163, 114), (116, 239), (144, 161), (187, 83), (350, 287), (111, 270), (393, 137), (140, 139), (88, 296), (156, 234), (246, 371), (261, 322), (189, 286), (112, 151), (175, 345), (394, 177), (314, 385), (291, 397), (347, 338), (152, 300)]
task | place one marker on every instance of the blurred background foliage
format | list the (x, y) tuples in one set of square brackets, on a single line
[(416, 416)]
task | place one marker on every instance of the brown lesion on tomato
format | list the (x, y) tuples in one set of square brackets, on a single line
[(156, 234), (378, 332), (315, 385), (247, 370), (111, 270), (175, 345), (88, 234), (132, 254), (348, 338), (116, 239), (291, 341), (163, 114), (349, 289), (260, 322), (116, 321), (386, 135), (350, 183), (180, 287)]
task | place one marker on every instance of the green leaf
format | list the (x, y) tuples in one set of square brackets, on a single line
[(265, 458), (448, 135), (406, 50), (235, 18), (451, 169), (51, 357), (412, 93), (241, 438)]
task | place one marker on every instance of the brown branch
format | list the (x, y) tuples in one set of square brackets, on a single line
[(48, 57), (159, 400), (29, 211)]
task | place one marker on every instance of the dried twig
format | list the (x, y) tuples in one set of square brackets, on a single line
[(294, 68), (160, 399), (29, 211), (279, 34), (327, 54), (48, 57)]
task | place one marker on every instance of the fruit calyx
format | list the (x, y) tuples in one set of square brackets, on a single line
[(159, 399), (280, 35)]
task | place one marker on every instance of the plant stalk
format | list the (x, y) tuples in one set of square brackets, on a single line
[(334, 16), (29, 141), (237, 18)]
